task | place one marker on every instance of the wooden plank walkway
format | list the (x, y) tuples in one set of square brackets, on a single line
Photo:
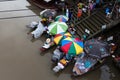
[(93, 23)]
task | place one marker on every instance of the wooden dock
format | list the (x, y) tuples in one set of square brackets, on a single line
[(95, 23)]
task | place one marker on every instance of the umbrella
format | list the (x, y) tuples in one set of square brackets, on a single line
[(72, 46), (59, 37), (61, 18), (96, 48), (48, 13), (57, 27)]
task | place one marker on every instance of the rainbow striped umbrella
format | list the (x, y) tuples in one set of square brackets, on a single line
[(59, 37), (72, 46), (61, 18)]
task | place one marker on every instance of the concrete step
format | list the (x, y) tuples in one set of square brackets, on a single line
[(17, 14), (14, 5)]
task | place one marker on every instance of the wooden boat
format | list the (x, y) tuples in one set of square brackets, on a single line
[(79, 69), (43, 4), (52, 4)]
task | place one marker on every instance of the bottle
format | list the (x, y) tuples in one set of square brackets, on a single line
[(67, 13)]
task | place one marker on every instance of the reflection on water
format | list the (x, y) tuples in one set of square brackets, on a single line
[(105, 73)]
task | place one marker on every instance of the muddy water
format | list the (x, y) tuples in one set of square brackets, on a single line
[(20, 58)]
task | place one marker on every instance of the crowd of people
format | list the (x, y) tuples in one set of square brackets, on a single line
[(90, 5)]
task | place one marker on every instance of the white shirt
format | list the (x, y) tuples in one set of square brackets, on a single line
[(38, 31)]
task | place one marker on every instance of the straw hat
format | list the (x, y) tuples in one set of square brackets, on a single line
[(44, 19)]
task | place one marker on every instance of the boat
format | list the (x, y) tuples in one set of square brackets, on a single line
[(95, 54), (43, 4), (85, 65)]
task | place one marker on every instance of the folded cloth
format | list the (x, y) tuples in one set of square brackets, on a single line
[(46, 46)]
